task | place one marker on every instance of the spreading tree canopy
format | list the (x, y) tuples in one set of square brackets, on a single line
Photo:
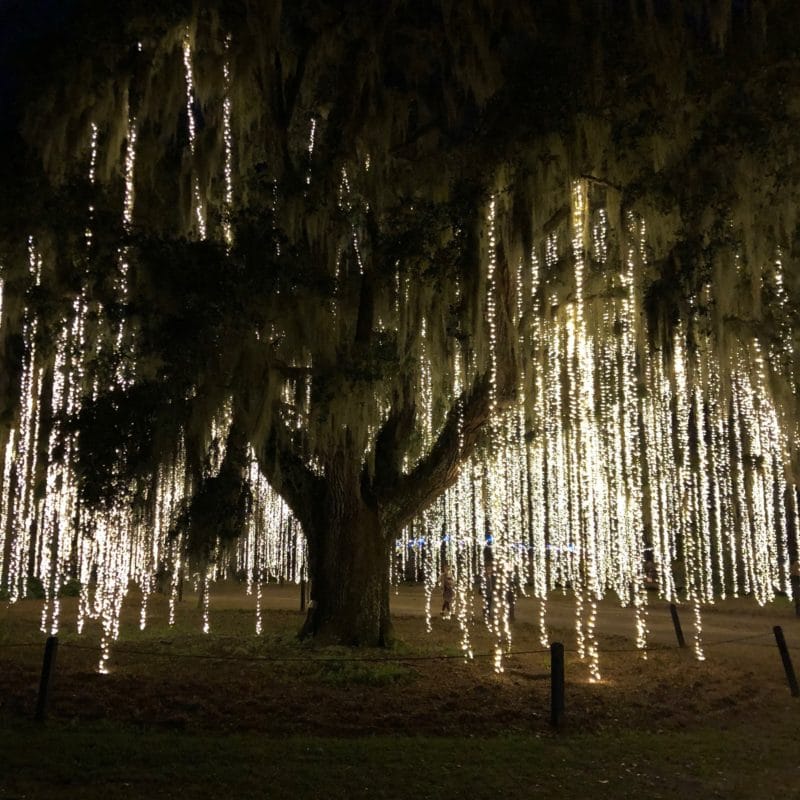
[(522, 275)]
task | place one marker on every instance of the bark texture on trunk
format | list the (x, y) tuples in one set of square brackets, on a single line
[(349, 550)]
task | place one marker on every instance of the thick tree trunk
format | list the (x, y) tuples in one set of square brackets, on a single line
[(351, 517), (349, 568)]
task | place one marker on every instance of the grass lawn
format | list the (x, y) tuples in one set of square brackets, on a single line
[(115, 761), (234, 715)]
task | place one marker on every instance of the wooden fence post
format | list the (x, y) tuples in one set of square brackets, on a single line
[(787, 661), (48, 669), (556, 683), (676, 621)]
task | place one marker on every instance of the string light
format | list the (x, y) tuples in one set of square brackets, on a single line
[(311, 134), (616, 450), (227, 136), (197, 199)]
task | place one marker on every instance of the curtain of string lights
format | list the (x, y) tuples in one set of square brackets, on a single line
[(616, 454)]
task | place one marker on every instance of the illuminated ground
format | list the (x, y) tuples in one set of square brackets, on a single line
[(153, 670), (668, 724)]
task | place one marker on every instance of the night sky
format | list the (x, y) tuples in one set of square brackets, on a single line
[(23, 23)]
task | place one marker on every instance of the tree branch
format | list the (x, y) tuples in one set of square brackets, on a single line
[(466, 420), (602, 182), (288, 474), (390, 444), (218, 509), (414, 492), (280, 459)]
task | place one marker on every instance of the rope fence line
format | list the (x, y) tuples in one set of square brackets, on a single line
[(739, 639), (20, 644), (279, 659), (310, 659)]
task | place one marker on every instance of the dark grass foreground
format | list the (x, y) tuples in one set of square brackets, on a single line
[(114, 761), (233, 715)]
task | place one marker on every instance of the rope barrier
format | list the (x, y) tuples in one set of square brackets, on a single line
[(311, 659), (738, 640), (381, 659), (301, 659), (20, 644)]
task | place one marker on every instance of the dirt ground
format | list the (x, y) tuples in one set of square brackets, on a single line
[(231, 679)]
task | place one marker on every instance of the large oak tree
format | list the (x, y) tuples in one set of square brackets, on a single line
[(323, 198)]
